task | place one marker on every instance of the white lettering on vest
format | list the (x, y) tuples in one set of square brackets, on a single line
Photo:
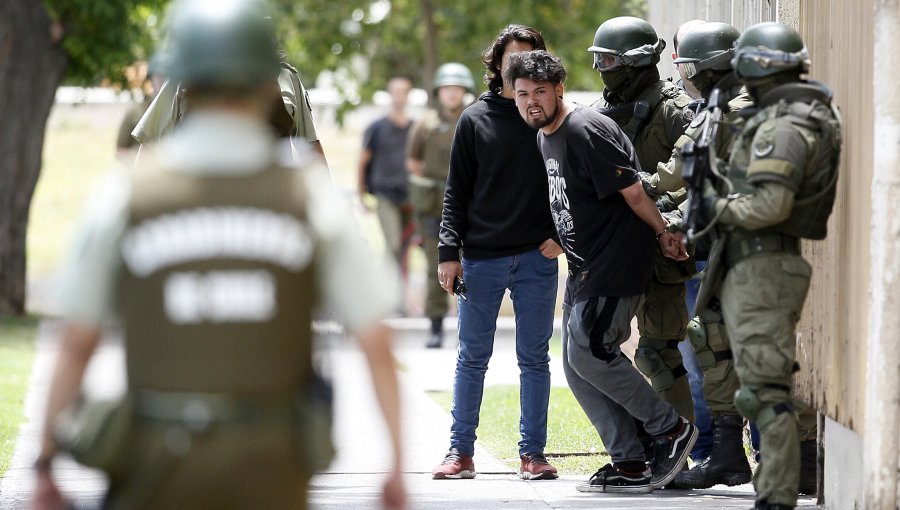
[(244, 233), (220, 296)]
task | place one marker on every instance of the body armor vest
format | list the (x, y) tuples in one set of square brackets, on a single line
[(808, 109), (218, 282), (645, 122)]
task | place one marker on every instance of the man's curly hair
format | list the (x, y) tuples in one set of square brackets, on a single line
[(538, 65), (493, 55)]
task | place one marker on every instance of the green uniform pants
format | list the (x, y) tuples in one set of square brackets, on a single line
[(716, 360), (662, 323), (436, 299), (762, 297)]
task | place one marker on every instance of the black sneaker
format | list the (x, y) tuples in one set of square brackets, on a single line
[(670, 453), (612, 479)]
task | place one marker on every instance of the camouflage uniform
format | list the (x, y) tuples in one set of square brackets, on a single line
[(783, 166)]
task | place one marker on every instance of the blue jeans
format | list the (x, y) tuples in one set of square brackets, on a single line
[(702, 416), (532, 281)]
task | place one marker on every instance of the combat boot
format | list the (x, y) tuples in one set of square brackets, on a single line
[(809, 467), (727, 464)]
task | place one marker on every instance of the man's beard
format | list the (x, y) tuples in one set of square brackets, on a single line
[(547, 120)]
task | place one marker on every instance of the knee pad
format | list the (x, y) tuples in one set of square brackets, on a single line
[(747, 402), (697, 336), (649, 362)]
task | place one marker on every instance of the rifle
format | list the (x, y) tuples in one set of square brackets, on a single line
[(698, 156), (699, 160)]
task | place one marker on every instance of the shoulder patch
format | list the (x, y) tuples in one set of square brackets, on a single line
[(764, 140), (688, 113)]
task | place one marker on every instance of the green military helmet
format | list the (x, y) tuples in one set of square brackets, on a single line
[(769, 48), (707, 46), (219, 43), (625, 40), (453, 73)]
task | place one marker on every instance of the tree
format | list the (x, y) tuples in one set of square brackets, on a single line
[(374, 39), (42, 43)]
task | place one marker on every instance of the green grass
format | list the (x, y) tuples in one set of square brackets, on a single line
[(16, 356), (568, 430)]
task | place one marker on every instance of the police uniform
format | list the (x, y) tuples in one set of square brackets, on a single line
[(654, 121), (430, 141), (216, 288), (783, 168), (294, 120)]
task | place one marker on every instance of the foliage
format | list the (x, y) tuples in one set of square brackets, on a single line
[(573, 445), (365, 41), (102, 38), (373, 40), (16, 357)]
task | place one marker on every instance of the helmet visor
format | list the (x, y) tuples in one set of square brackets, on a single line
[(608, 60), (760, 61)]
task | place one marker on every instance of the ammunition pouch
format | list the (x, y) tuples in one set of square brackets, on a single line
[(99, 434)]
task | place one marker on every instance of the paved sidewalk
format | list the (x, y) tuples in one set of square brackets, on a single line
[(352, 482)]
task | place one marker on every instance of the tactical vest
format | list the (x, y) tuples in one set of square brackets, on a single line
[(653, 121), (808, 110), (218, 283), (437, 144)]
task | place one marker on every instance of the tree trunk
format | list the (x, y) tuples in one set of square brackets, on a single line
[(32, 62), (429, 62)]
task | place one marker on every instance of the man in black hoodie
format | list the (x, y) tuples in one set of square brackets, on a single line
[(497, 233)]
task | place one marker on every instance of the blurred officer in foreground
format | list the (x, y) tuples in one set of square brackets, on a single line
[(428, 162), (212, 255), (779, 187)]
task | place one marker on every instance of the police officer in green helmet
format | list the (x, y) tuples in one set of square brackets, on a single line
[(428, 162), (653, 114), (212, 255), (779, 187), (704, 54)]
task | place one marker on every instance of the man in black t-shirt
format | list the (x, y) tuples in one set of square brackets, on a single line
[(606, 225)]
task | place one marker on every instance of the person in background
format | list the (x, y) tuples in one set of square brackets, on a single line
[(382, 166), (428, 161), (126, 145)]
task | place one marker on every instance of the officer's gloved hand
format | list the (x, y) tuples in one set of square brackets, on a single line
[(647, 183), (665, 203)]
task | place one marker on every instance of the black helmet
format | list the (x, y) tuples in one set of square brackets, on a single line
[(219, 43), (769, 48), (707, 46), (453, 73), (625, 40)]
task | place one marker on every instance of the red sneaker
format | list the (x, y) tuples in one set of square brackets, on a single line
[(455, 465), (535, 467)]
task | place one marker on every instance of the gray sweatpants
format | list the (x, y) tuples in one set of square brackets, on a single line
[(607, 386)]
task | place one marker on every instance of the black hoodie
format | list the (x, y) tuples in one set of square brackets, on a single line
[(497, 199)]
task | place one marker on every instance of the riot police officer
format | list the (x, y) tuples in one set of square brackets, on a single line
[(704, 57), (779, 187), (428, 162), (652, 112), (213, 254)]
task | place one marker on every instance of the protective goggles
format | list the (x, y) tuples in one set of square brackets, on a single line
[(721, 62), (607, 60), (761, 61)]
